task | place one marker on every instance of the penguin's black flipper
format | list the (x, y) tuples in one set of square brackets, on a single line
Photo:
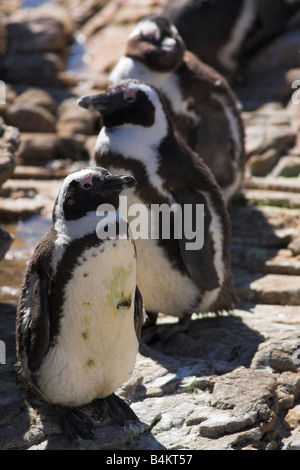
[(198, 262), (138, 312), (38, 333)]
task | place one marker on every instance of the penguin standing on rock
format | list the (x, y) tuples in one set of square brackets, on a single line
[(137, 136), (80, 311), (202, 106)]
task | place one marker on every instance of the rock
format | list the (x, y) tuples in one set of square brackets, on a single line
[(44, 68), (37, 97), (9, 143), (288, 166), (243, 405), (288, 390), (7, 166), (81, 13), (6, 240), (269, 127), (279, 356), (293, 417), (37, 42), (72, 119), (19, 209), (261, 197), (30, 118), (292, 441), (39, 30), (111, 49), (73, 148), (294, 246), (261, 165), (8, 7), (37, 148), (267, 289), (10, 96), (40, 149)]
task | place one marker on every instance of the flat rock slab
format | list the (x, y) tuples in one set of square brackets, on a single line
[(268, 289)]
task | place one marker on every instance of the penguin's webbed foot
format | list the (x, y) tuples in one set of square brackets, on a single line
[(75, 424), (151, 319), (163, 333), (116, 409)]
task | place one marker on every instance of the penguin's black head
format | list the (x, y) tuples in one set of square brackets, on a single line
[(84, 190), (130, 102), (156, 42)]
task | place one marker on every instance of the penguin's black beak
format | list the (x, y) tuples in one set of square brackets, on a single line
[(115, 184), (96, 102)]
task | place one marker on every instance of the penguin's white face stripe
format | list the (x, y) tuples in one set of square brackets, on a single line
[(138, 142), (146, 28), (242, 26), (82, 176)]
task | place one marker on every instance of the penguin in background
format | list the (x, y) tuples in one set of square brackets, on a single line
[(226, 34), (80, 311), (138, 137), (202, 106)]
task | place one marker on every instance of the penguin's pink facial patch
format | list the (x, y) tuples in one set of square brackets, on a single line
[(86, 182), (129, 94)]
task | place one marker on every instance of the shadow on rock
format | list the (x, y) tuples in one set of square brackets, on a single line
[(211, 345)]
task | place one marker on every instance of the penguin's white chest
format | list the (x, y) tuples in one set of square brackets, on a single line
[(95, 350)]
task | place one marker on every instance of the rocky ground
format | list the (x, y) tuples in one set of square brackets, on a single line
[(230, 382)]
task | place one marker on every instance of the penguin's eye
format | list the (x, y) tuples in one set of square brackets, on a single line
[(129, 99), (87, 186)]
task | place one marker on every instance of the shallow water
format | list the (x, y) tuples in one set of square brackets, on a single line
[(34, 3), (12, 267)]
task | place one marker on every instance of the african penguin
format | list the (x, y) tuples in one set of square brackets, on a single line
[(137, 135), (225, 34), (202, 106), (80, 310)]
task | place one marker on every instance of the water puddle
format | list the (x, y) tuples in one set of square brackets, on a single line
[(12, 267), (34, 3), (77, 57)]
